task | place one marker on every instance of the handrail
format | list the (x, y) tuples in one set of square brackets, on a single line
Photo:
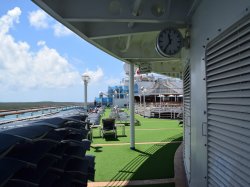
[(50, 111)]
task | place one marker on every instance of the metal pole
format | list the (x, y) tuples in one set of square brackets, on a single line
[(127, 100), (144, 104), (131, 106), (160, 100), (160, 108), (140, 102), (85, 95)]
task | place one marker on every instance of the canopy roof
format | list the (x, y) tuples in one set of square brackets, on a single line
[(126, 29)]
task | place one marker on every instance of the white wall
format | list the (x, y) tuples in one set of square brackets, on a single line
[(210, 16)]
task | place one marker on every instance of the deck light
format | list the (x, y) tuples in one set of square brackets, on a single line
[(86, 79)]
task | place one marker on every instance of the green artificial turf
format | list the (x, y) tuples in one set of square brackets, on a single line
[(161, 130), (149, 161), (140, 136), (115, 163)]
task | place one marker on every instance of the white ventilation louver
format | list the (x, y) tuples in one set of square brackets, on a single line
[(187, 119), (228, 106)]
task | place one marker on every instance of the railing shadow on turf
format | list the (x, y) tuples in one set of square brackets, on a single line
[(156, 162)]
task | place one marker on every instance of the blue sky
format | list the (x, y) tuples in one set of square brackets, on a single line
[(40, 60)]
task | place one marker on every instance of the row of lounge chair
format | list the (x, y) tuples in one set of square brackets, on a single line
[(119, 115), (48, 152), (94, 118)]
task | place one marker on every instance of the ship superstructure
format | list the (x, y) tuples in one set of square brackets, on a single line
[(152, 92)]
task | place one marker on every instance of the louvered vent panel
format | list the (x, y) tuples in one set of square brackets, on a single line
[(186, 119), (228, 106)]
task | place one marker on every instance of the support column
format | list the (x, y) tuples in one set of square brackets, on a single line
[(144, 105), (131, 106), (85, 95)]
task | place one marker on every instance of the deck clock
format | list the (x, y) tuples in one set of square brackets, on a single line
[(169, 42)]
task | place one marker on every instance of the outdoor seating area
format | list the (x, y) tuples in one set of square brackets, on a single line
[(94, 118), (47, 152), (107, 123), (153, 159), (120, 115), (52, 151)]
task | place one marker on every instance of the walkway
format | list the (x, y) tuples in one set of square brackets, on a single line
[(179, 171), (132, 183)]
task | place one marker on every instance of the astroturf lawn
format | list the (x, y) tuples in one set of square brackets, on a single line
[(149, 130), (115, 163), (150, 161), (141, 136)]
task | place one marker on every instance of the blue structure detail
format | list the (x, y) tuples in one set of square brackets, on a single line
[(107, 101), (117, 91)]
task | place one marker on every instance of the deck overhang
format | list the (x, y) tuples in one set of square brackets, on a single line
[(127, 29)]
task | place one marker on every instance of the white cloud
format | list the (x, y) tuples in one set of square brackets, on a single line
[(22, 68), (39, 19), (112, 81), (9, 19), (41, 43), (60, 30), (95, 76)]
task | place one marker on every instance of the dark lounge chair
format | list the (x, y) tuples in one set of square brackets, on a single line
[(108, 127), (31, 152), (91, 168), (8, 166), (30, 132), (28, 176), (47, 152), (8, 142)]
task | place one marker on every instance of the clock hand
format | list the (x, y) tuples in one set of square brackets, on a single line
[(169, 42)]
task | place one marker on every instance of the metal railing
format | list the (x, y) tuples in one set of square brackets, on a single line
[(28, 114), (164, 111)]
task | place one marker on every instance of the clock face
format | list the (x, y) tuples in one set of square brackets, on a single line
[(169, 42)]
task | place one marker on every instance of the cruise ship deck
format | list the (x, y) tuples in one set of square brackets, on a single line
[(203, 42)]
